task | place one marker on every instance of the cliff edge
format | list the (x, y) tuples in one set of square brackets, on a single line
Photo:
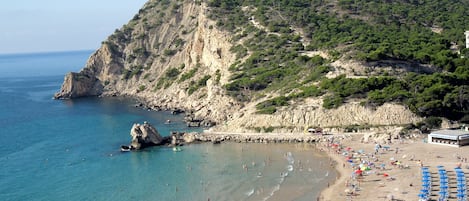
[(172, 55)]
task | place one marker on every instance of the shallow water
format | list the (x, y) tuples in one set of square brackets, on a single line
[(69, 150)]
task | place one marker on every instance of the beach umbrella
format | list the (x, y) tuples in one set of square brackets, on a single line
[(359, 171)]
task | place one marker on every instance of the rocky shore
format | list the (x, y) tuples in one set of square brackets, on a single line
[(145, 135), (217, 137)]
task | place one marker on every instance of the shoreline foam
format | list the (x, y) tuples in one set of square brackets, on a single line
[(401, 182)]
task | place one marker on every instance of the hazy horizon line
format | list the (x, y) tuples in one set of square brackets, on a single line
[(45, 52)]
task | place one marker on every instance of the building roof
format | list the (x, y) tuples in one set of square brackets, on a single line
[(451, 134)]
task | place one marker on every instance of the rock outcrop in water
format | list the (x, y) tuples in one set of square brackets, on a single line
[(144, 135)]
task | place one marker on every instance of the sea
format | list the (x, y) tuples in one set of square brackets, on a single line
[(70, 149)]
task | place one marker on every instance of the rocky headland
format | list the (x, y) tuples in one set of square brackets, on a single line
[(178, 59)]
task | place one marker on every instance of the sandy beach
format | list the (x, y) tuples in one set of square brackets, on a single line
[(394, 181), (391, 173)]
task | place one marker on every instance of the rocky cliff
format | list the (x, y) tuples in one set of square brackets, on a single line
[(172, 55)]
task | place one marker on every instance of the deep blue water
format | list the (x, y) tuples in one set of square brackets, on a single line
[(69, 150)]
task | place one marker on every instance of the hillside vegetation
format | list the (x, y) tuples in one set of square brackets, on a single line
[(272, 39)]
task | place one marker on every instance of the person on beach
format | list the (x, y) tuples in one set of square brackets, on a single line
[(377, 147)]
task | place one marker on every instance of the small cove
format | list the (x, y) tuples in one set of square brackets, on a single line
[(69, 150)]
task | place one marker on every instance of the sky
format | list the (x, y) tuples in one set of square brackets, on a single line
[(28, 26)]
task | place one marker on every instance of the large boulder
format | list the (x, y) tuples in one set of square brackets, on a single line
[(144, 135), (189, 137)]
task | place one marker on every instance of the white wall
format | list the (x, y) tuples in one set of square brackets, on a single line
[(467, 39)]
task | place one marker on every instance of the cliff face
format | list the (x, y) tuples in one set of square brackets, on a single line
[(148, 57), (78, 85), (171, 55)]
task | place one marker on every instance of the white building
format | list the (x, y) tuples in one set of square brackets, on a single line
[(467, 39), (454, 138)]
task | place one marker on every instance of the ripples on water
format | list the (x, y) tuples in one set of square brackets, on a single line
[(69, 150)]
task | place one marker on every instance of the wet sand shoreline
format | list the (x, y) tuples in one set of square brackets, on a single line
[(386, 179)]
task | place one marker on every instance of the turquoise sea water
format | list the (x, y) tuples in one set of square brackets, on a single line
[(69, 150)]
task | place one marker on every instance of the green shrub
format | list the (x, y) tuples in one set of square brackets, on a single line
[(269, 106), (433, 122), (188, 75), (217, 76), (169, 52), (269, 129), (194, 86), (172, 73), (141, 88), (332, 101)]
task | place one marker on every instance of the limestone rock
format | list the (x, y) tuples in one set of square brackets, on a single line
[(144, 135), (79, 85), (189, 137), (130, 63)]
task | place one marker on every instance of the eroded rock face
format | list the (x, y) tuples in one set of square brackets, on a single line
[(134, 62), (80, 84), (144, 135)]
